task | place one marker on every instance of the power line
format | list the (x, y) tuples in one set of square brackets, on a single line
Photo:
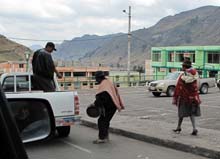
[(26, 39), (74, 40)]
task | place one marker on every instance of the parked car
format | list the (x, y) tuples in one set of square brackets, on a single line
[(39, 114), (168, 84)]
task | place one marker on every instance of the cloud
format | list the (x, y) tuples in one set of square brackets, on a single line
[(35, 8), (66, 19), (2, 29), (102, 25), (144, 3)]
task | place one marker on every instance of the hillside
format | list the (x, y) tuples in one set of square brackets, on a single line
[(11, 51), (195, 27), (81, 46)]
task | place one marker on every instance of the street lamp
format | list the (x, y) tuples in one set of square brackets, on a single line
[(27, 57), (129, 42)]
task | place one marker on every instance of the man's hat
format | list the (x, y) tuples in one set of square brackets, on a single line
[(52, 45)]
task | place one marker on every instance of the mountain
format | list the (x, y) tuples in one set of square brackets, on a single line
[(77, 48), (35, 47), (200, 26), (11, 51)]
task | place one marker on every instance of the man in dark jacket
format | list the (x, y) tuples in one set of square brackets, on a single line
[(44, 69)]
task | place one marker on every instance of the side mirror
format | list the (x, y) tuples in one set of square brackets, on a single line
[(33, 117)]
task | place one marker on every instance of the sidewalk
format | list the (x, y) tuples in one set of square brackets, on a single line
[(207, 143)]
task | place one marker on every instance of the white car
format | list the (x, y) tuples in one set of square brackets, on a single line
[(168, 84)]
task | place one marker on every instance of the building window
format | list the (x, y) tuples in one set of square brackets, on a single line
[(68, 84), (193, 57), (21, 65), (91, 85), (93, 74), (162, 69), (106, 73), (79, 74), (213, 57), (67, 74), (156, 56), (61, 73), (85, 83), (180, 55), (171, 56), (190, 54)]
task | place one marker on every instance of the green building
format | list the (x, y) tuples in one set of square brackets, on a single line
[(206, 59)]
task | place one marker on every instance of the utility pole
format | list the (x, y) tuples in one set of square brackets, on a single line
[(129, 42), (27, 57)]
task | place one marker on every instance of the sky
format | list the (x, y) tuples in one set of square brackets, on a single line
[(40, 21)]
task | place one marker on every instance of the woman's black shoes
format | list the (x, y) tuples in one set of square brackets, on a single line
[(195, 132), (177, 130)]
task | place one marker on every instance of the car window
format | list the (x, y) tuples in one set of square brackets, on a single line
[(172, 76), (22, 83)]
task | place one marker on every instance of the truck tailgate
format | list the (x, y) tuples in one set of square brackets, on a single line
[(62, 103)]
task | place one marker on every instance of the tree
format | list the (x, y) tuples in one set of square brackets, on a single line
[(134, 68)]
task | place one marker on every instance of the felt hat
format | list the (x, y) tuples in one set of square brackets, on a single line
[(93, 111)]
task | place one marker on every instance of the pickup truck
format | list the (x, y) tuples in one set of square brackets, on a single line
[(39, 114), (167, 85)]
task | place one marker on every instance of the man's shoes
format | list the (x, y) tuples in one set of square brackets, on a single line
[(195, 132), (100, 141)]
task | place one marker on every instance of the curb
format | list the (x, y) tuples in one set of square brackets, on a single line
[(158, 141)]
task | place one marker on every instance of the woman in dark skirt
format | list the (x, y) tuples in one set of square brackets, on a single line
[(186, 96), (109, 100)]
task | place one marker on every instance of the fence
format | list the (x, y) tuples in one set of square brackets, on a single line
[(67, 83)]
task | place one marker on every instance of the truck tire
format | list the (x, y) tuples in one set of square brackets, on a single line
[(63, 131), (170, 91), (156, 94), (204, 89)]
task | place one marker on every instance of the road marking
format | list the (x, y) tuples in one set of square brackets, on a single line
[(77, 147)]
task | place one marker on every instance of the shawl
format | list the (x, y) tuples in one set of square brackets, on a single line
[(187, 88), (108, 86)]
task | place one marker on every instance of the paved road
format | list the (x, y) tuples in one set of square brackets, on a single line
[(79, 146), (142, 104)]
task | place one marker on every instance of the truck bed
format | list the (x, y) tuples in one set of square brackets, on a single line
[(62, 102)]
